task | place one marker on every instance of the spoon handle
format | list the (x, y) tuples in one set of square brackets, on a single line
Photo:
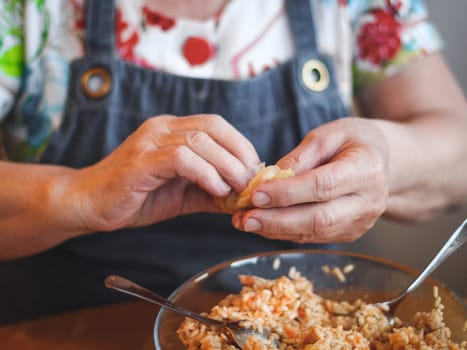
[(457, 239), (126, 286)]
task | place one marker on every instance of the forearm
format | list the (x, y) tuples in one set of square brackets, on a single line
[(150, 177), (36, 212), (423, 114), (427, 164)]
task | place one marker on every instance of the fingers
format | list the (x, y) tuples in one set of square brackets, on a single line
[(326, 169), (335, 140), (329, 181), (341, 220), (181, 161), (232, 170), (318, 147), (167, 167), (339, 190), (213, 140), (221, 132), (204, 149)]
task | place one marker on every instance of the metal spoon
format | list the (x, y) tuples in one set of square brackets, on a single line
[(237, 331), (457, 239)]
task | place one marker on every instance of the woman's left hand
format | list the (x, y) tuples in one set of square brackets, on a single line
[(339, 190)]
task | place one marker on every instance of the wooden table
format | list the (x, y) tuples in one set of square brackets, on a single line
[(119, 326)]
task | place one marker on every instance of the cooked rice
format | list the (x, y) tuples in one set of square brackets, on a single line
[(348, 268), (276, 264), (297, 318), (337, 271)]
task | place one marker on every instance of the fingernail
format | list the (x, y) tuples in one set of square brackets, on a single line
[(236, 220), (252, 225), (254, 167), (260, 199), (223, 187)]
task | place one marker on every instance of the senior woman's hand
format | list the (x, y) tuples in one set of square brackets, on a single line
[(406, 158), (168, 167), (338, 193)]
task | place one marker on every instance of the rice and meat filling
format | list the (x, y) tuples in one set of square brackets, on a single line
[(297, 318)]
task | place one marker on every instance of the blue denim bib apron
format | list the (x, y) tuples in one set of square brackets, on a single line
[(274, 110)]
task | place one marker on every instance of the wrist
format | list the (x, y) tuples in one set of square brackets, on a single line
[(63, 203), (36, 211)]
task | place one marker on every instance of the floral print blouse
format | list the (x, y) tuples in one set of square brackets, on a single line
[(367, 40)]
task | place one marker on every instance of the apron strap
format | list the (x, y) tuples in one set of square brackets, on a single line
[(302, 25), (100, 18)]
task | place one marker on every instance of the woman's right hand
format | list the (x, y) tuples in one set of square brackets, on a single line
[(169, 166)]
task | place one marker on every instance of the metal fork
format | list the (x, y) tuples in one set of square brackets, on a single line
[(457, 239), (237, 331)]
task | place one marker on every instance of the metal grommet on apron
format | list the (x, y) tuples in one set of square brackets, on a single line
[(315, 75), (96, 82)]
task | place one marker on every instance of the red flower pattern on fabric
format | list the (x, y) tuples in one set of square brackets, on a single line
[(78, 11), (379, 40), (126, 47), (156, 19), (394, 5)]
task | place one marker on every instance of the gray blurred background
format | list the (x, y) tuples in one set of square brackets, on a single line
[(415, 244)]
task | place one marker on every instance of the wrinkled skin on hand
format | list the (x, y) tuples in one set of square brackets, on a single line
[(168, 167), (339, 190)]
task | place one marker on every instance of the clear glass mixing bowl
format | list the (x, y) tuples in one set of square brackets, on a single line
[(372, 279)]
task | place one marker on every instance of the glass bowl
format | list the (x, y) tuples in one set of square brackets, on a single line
[(372, 279)]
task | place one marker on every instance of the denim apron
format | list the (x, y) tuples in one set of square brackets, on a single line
[(107, 100)]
